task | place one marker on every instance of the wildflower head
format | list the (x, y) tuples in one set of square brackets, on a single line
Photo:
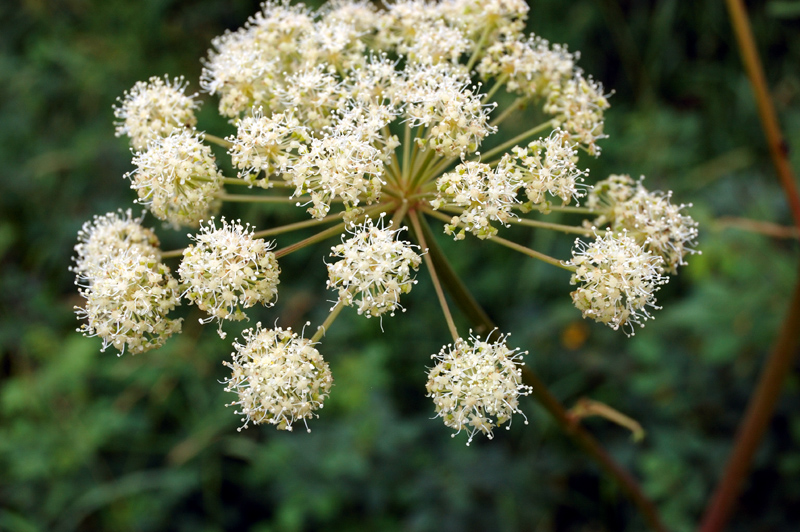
[(548, 167), (617, 280), (227, 270), (154, 109), (111, 234), (650, 218), (475, 385), (177, 178), (486, 194), (266, 144), (343, 166), (374, 270), (577, 106), (128, 301), (439, 97), (279, 377), (532, 66)]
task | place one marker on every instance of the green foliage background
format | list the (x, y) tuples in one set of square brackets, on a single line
[(89, 441)]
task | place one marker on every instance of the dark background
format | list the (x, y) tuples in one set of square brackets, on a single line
[(90, 441)]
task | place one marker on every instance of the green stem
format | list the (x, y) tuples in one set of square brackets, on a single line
[(532, 253), (479, 48), (171, 254), (435, 278), (323, 329), (509, 111), (297, 225), (516, 140), (254, 198), (509, 244), (497, 84), (327, 233), (400, 213), (319, 237), (570, 229), (406, 152), (419, 174), (395, 166), (441, 167), (567, 208), (219, 141), (458, 291)]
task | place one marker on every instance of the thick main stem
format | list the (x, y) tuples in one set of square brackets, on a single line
[(573, 429), (412, 215)]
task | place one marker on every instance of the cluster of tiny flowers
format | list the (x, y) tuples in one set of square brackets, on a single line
[(154, 109), (279, 377), (439, 98), (475, 381), (111, 234), (531, 66), (341, 166), (374, 271), (176, 177), (266, 144), (548, 167), (487, 195), (617, 280), (228, 270), (648, 217), (578, 107), (128, 291)]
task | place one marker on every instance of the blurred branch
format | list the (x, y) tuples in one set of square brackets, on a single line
[(763, 400), (539, 390), (756, 226), (778, 148)]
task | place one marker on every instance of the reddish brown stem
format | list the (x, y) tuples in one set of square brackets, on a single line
[(762, 403), (766, 110)]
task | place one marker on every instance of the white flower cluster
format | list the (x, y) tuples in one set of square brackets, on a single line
[(128, 291), (154, 109), (549, 167), (266, 144), (578, 106), (617, 280), (177, 178), (439, 98), (375, 269), (341, 166), (649, 217), (228, 270), (486, 194), (475, 381), (532, 66), (114, 233), (279, 377)]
